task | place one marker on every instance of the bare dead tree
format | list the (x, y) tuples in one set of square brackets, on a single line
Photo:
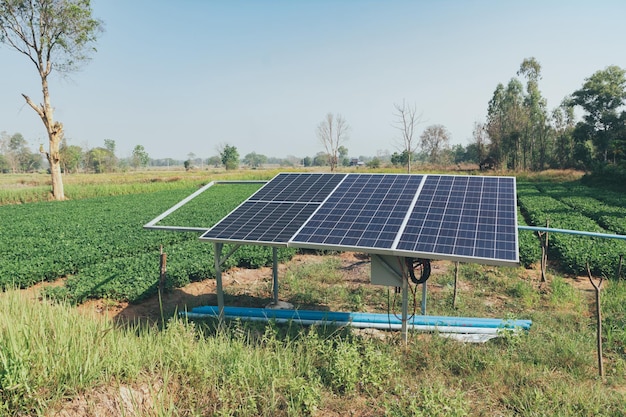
[(406, 122), (332, 133), (597, 288)]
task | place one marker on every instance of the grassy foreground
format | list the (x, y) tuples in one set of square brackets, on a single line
[(54, 359)]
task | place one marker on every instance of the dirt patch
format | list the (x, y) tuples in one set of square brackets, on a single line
[(245, 284), (123, 400)]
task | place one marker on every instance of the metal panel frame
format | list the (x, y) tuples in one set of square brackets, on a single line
[(152, 224)]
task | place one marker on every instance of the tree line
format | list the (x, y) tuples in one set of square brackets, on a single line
[(17, 157), (521, 133)]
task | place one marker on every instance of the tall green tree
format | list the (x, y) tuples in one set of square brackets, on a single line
[(54, 35), (518, 122), (563, 127), (506, 119), (100, 160), (480, 143), (536, 144), (140, 157), (71, 157), (602, 97), (230, 157)]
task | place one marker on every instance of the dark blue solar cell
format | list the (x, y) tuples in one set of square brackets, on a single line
[(266, 222), (294, 187), (378, 205), (476, 215)]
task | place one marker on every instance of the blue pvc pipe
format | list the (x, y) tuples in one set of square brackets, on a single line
[(571, 232), (373, 318)]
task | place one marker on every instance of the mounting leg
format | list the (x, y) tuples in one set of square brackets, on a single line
[(275, 273), (424, 292), (405, 309), (218, 278)]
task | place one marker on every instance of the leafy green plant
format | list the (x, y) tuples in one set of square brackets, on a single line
[(101, 245)]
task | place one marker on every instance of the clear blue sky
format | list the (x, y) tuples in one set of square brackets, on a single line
[(183, 76)]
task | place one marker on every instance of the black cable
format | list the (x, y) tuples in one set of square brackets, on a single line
[(415, 263)]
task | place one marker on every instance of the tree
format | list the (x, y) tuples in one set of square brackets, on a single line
[(140, 157), (254, 159), (11, 146), (4, 165), (229, 157), (215, 160), (332, 132), (374, 163), (406, 122), (435, 141), (480, 141), (17, 156), (111, 162), (321, 159), (342, 156), (536, 139), (401, 159), (562, 128), (307, 161), (601, 97), (52, 34), (71, 156), (100, 160), (517, 122)]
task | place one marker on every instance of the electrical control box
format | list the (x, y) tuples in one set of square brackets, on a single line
[(387, 270)]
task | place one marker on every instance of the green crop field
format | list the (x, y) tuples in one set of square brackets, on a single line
[(56, 361), (100, 245)]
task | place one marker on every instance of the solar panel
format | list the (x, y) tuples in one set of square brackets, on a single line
[(274, 214), (263, 222), (298, 187), (365, 211), (468, 218)]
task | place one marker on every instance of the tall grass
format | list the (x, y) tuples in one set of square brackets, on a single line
[(50, 353)]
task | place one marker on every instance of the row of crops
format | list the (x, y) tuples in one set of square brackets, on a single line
[(575, 207), (99, 243)]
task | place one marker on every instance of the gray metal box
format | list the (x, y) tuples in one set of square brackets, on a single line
[(387, 270)]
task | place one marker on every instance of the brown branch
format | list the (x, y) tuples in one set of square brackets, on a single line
[(35, 107)]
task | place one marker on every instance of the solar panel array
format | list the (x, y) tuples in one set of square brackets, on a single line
[(466, 218)]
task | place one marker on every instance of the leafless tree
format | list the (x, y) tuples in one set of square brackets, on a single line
[(406, 121), (333, 132), (435, 141)]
